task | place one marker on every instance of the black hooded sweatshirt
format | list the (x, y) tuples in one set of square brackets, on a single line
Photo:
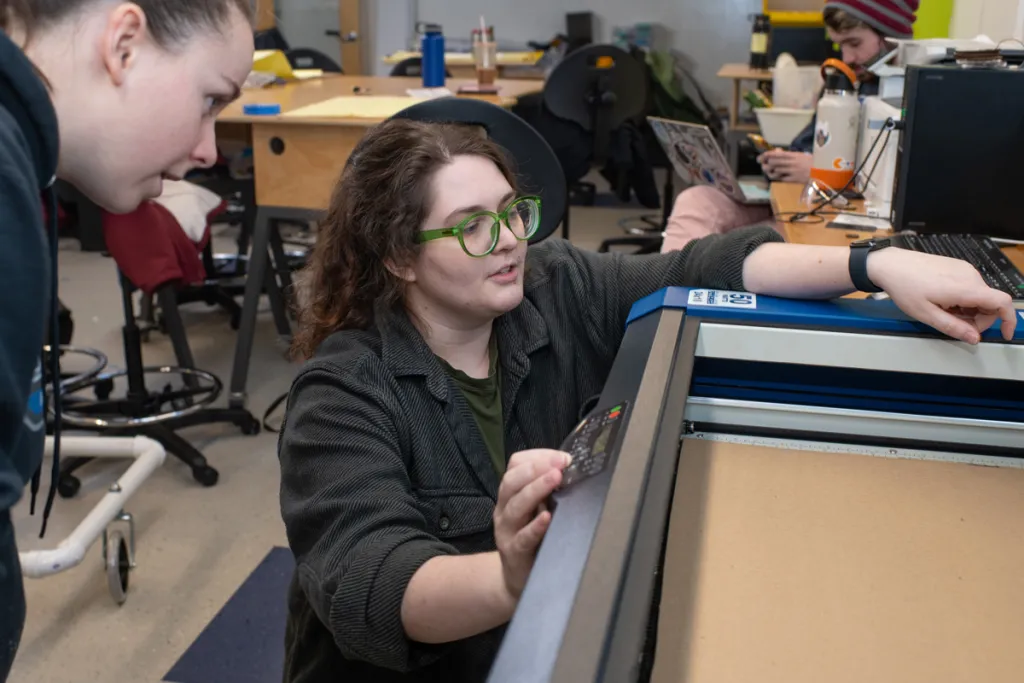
[(28, 162)]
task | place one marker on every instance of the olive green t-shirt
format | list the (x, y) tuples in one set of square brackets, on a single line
[(484, 399)]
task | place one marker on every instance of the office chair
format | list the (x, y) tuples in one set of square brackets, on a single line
[(538, 170), (412, 66), (270, 39), (145, 412), (308, 58), (598, 88)]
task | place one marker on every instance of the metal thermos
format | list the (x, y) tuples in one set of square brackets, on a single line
[(432, 48)]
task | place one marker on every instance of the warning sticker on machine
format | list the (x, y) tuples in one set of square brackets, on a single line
[(718, 298)]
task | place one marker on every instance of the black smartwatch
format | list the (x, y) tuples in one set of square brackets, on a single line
[(859, 251)]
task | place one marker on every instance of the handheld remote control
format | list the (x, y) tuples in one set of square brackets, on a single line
[(592, 443)]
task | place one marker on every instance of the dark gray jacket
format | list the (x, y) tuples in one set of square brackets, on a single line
[(383, 466)]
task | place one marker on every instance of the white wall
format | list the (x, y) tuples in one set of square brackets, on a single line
[(518, 20), (998, 19), (389, 26), (709, 32)]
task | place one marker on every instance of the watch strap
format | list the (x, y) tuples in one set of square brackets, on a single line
[(859, 252)]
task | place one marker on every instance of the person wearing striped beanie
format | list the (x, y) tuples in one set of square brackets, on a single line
[(860, 27)]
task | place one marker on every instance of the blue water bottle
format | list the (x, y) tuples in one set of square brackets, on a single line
[(432, 47)]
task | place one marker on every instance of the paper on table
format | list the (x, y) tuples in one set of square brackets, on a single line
[(429, 93), (306, 74), (358, 106)]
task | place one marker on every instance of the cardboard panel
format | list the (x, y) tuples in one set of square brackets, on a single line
[(790, 566)]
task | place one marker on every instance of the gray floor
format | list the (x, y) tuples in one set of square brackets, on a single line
[(195, 546)]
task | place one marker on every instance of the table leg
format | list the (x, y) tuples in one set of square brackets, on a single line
[(734, 112), (255, 281)]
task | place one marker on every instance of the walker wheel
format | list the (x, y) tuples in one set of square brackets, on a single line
[(119, 564)]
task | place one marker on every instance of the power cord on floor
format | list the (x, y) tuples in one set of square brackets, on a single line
[(274, 405)]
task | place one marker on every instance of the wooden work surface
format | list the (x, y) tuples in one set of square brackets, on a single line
[(297, 161), (742, 72), (789, 566), (299, 94), (786, 199), (466, 58)]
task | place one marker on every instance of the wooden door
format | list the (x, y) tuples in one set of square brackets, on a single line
[(265, 17), (350, 22)]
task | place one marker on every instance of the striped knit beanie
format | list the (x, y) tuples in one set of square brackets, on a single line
[(891, 18)]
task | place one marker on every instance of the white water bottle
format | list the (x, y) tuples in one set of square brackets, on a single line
[(837, 127)]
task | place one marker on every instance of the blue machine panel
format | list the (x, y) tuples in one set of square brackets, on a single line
[(855, 315)]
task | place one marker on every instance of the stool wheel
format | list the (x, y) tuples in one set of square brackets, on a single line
[(207, 476)]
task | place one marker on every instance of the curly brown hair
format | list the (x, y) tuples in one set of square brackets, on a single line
[(377, 208)]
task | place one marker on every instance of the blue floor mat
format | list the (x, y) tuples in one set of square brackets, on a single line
[(245, 641)]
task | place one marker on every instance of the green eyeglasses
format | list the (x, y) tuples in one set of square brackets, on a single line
[(478, 234)]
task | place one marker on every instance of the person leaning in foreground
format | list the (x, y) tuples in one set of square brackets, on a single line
[(113, 98), (447, 362)]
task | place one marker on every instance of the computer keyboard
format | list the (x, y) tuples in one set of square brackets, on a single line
[(981, 252)]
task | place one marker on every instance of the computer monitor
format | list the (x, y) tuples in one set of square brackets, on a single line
[(961, 160)]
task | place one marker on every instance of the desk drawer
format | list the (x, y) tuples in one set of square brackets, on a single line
[(296, 166)]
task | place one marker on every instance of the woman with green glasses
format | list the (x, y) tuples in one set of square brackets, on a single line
[(447, 361)]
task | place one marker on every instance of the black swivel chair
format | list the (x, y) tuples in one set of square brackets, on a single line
[(599, 88), (270, 39), (308, 58), (537, 168), (412, 66)]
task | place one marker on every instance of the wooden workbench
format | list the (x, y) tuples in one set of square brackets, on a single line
[(786, 200), (312, 151), (511, 65)]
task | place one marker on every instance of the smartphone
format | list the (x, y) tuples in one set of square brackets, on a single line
[(759, 143)]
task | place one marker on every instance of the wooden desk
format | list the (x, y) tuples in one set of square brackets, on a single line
[(460, 64), (296, 163), (738, 73), (297, 160), (786, 199)]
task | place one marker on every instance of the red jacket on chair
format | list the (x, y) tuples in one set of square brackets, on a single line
[(151, 249)]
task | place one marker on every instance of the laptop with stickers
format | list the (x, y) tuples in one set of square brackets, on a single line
[(698, 160)]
